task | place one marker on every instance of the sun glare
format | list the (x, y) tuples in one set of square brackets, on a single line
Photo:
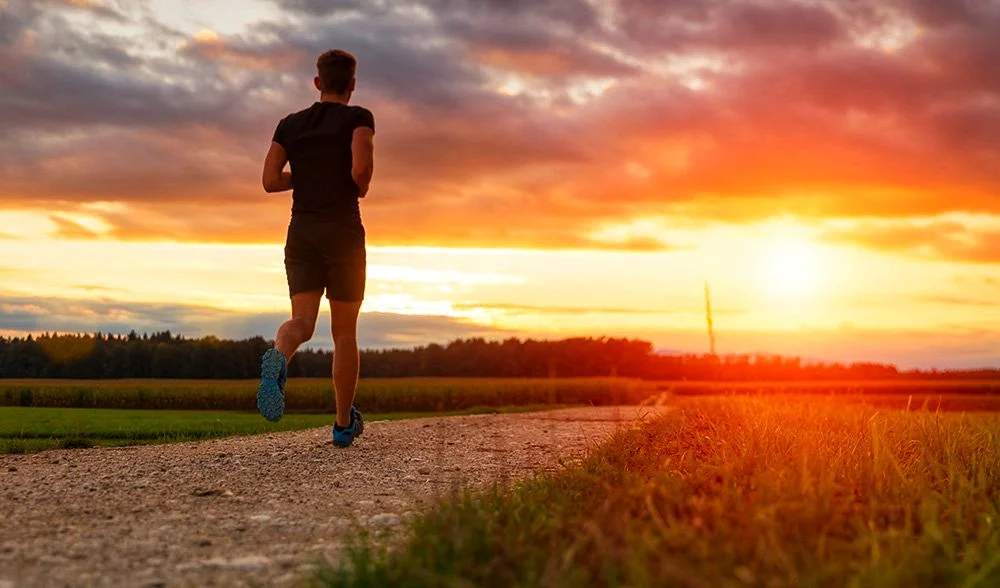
[(790, 268)]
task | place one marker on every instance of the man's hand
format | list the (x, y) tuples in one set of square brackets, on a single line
[(363, 159), (274, 177)]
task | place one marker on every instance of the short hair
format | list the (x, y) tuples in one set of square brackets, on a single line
[(336, 69)]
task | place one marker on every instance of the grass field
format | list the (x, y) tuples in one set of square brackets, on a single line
[(900, 386), (729, 491), (450, 394), (314, 394), (29, 429), (25, 426)]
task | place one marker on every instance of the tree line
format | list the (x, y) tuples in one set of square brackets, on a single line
[(165, 355)]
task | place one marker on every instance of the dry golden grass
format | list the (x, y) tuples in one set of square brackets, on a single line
[(740, 491)]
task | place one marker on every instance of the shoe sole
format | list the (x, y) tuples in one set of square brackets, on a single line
[(270, 398)]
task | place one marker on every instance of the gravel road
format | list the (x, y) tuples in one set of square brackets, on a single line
[(257, 511)]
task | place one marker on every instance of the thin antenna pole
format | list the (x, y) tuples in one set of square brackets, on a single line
[(708, 316)]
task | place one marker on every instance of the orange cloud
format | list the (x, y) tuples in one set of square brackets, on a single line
[(949, 240), (71, 229), (207, 45)]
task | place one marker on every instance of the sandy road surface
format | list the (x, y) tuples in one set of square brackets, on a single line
[(257, 510)]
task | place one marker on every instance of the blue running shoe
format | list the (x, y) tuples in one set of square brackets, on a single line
[(344, 437), (271, 393)]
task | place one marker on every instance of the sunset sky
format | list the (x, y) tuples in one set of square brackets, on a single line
[(545, 169)]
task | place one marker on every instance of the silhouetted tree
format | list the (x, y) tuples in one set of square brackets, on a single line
[(165, 355)]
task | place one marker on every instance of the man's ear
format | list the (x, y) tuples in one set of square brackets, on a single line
[(318, 83), (352, 85)]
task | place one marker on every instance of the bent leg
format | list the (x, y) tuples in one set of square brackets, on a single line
[(346, 362), (298, 329)]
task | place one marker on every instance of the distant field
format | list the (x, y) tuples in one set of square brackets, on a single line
[(837, 387), (307, 395), (29, 429), (314, 394), (932, 395), (781, 491)]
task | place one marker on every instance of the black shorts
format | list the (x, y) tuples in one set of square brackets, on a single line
[(326, 255)]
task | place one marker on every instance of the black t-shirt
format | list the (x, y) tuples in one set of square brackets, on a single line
[(318, 143)]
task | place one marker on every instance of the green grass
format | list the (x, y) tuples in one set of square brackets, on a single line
[(30, 429), (741, 491), (314, 394)]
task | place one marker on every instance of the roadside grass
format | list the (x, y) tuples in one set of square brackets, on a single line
[(31, 429), (739, 491)]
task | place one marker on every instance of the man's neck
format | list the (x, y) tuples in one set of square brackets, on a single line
[(338, 98)]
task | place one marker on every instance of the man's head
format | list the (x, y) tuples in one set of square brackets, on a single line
[(335, 71)]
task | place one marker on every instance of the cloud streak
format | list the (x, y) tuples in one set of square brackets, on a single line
[(947, 240), (376, 330)]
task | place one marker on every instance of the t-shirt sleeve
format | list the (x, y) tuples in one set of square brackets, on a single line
[(280, 134), (364, 118)]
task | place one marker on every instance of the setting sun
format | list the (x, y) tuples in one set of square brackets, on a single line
[(790, 268)]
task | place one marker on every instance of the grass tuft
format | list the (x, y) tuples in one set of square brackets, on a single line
[(75, 443), (778, 491)]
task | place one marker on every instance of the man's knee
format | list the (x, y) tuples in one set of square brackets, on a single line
[(345, 331), (345, 340)]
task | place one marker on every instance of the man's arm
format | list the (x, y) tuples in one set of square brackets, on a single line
[(274, 178), (363, 159)]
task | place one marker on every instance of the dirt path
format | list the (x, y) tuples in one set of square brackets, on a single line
[(256, 510)]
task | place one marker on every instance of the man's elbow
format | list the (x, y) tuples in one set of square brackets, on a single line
[(269, 184)]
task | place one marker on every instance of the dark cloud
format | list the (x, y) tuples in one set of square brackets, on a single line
[(12, 26), (579, 14), (397, 64), (321, 7), (376, 330), (100, 8), (935, 14), (393, 330), (718, 26), (60, 77), (777, 25), (550, 40)]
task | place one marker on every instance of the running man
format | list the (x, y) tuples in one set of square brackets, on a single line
[(330, 149)]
